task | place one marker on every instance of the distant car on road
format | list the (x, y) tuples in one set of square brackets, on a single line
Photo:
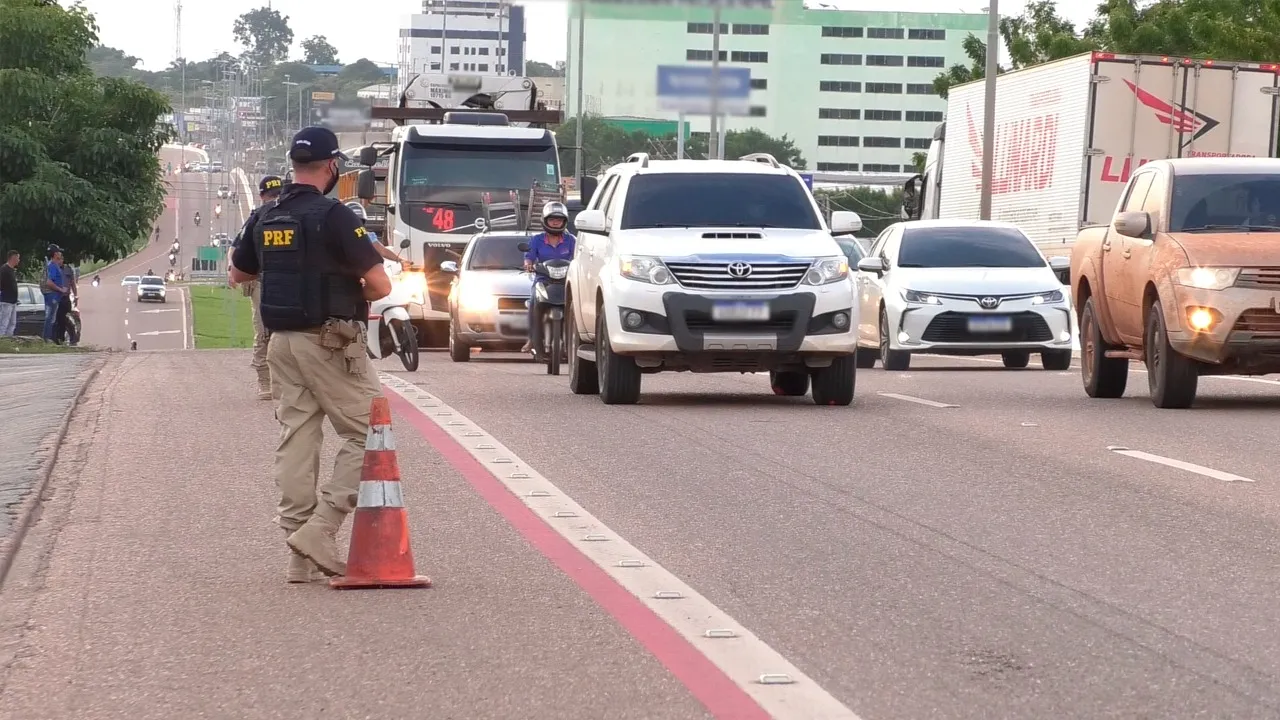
[(220, 240), (130, 280), (224, 191), (151, 288)]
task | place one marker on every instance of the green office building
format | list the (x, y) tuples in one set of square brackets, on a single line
[(853, 89)]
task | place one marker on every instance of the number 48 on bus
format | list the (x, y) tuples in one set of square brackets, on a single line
[(441, 218)]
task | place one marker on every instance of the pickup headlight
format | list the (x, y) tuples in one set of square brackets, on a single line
[(1207, 278), (479, 297), (1049, 298), (645, 269), (915, 296), (825, 271)]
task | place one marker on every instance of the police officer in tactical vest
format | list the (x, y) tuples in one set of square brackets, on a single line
[(268, 190), (317, 269)]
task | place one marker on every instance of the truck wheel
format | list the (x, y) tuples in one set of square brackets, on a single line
[(865, 358), (891, 359), (1016, 359), (459, 351), (1103, 377), (1055, 359), (583, 379), (619, 375), (1171, 376), (834, 384), (790, 384)]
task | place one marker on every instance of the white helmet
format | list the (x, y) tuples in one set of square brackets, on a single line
[(555, 209)]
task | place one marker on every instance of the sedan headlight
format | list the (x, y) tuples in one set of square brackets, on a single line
[(915, 296), (1049, 298), (1207, 278), (825, 271), (645, 269), (478, 297)]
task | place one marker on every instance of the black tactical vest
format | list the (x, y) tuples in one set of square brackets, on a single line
[(303, 284)]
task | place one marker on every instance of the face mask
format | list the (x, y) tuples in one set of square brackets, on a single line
[(333, 182)]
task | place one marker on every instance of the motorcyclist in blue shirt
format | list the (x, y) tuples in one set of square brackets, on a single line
[(555, 243)]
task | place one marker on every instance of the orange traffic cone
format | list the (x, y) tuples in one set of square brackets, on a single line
[(380, 556)]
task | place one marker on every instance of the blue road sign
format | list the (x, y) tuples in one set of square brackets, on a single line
[(808, 180), (687, 88)]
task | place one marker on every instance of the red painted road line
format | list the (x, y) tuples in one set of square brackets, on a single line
[(720, 695)]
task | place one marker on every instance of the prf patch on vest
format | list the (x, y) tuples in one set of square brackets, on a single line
[(278, 238), (360, 233)]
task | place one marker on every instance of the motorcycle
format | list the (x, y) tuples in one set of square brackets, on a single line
[(197, 221), (390, 330), (72, 322), (549, 297)]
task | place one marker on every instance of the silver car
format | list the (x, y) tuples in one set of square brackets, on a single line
[(488, 300)]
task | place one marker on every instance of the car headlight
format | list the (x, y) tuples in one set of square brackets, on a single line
[(1207, 278), (915, 296), (557, 272), (645, 269), (825, 271), (1049, 298), (472, 296)]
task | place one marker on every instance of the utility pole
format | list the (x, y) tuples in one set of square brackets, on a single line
[(989, 111), (713, 137), (578, 71)]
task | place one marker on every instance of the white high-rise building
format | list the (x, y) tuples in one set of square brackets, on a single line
[(477, 37)]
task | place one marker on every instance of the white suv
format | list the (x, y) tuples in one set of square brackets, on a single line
[(710, 266)]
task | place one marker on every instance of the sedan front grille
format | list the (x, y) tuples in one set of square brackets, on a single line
[(1265, 278), (1259, 321), (953, 327), (715, 276)]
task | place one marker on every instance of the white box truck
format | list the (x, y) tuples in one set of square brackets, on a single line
[(1069, 133)]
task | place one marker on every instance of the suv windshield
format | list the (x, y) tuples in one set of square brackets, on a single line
[(152, 281), (1225, 202), (497, 252), (972, 246), (682, 200)]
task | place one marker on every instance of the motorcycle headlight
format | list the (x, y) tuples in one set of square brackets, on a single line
[(1207, 278), (915, 296), (476, 297), (413, 284), (827, 270), (1049, 298), (558, 273), (645, 269)]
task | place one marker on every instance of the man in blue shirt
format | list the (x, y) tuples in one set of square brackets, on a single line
[(555, 243), (55, 289)]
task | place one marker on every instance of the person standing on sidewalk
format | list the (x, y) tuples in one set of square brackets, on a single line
[(317, 271), (268, 190), (55, 288), (9, 294)]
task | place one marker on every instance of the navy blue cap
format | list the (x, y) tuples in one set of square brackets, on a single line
[(270, 183), (314, 143)]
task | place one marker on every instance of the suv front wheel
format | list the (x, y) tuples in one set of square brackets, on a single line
[(619, 376), (834, 384)]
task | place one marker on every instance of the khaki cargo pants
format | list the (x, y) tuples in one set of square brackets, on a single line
[(310, 383), (253, 289)]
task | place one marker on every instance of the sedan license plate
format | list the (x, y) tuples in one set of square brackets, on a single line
[(991, 324), (740, 312)]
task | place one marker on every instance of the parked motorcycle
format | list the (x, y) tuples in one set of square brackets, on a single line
[(549, 296), (72, 322), (390, 331)]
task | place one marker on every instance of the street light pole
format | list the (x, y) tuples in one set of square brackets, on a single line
[(577, 153), (713, 137), (989, 111)]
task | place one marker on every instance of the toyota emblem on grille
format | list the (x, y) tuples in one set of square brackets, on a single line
[(989, 302), (739, 269)]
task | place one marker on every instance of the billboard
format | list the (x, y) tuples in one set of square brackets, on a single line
[(687, 88)]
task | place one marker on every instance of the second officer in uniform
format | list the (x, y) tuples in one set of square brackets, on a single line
[(268, 189), (318, 270)]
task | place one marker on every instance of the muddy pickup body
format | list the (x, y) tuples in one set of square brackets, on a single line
[(1185, 278)]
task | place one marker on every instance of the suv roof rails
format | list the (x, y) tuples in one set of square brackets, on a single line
[(761, 157), (642, 158)]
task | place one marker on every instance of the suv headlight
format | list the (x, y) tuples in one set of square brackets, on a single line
[(915, 296), (1049, 298), (1207, 278), (645, 269), (825, 271)]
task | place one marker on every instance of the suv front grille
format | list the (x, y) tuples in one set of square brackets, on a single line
[(1259, 321), (715, 276), (1267, 278), (953, 327)]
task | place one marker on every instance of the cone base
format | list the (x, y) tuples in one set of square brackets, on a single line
[(357, 583)]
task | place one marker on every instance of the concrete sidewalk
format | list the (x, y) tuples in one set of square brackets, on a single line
[(152, 585)]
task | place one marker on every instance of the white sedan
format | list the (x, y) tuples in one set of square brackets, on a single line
[(961, 287), (130, 280)]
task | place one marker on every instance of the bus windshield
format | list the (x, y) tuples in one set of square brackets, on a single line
[(425, 170)]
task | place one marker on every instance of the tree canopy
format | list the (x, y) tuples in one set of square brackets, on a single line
[(265, 35), (78, 163), (316, 50)]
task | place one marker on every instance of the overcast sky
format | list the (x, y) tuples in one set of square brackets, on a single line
[(370, 28)]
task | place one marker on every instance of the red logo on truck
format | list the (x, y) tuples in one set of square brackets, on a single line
[(1026, 150), (1181, 118)]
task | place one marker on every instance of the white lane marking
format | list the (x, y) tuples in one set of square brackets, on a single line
[(1236, 378), (162, 310), (158, 332), (1179, 464), (743, 657), (920, 401), (126, 321), (183, 306)]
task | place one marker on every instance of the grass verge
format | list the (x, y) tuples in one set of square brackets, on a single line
[(221, 317), (37, 346)]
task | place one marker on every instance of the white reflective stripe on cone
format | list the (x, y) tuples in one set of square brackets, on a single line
[(380, 437), (381, 494)]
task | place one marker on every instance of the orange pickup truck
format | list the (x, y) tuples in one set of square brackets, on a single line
[(1185, 278)]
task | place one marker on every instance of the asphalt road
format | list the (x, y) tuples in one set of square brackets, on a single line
[(964, 542), (111, 315)]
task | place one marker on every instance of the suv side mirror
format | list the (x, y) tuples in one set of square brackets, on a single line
[(844, 222), (872, 265), (591, 221)]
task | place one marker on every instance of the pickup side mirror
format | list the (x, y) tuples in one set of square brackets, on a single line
[(844, 222), (1133, 223), (449, 266), (871, 265), (590, 221), (588, 189), (404, 244), (523, 247)]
